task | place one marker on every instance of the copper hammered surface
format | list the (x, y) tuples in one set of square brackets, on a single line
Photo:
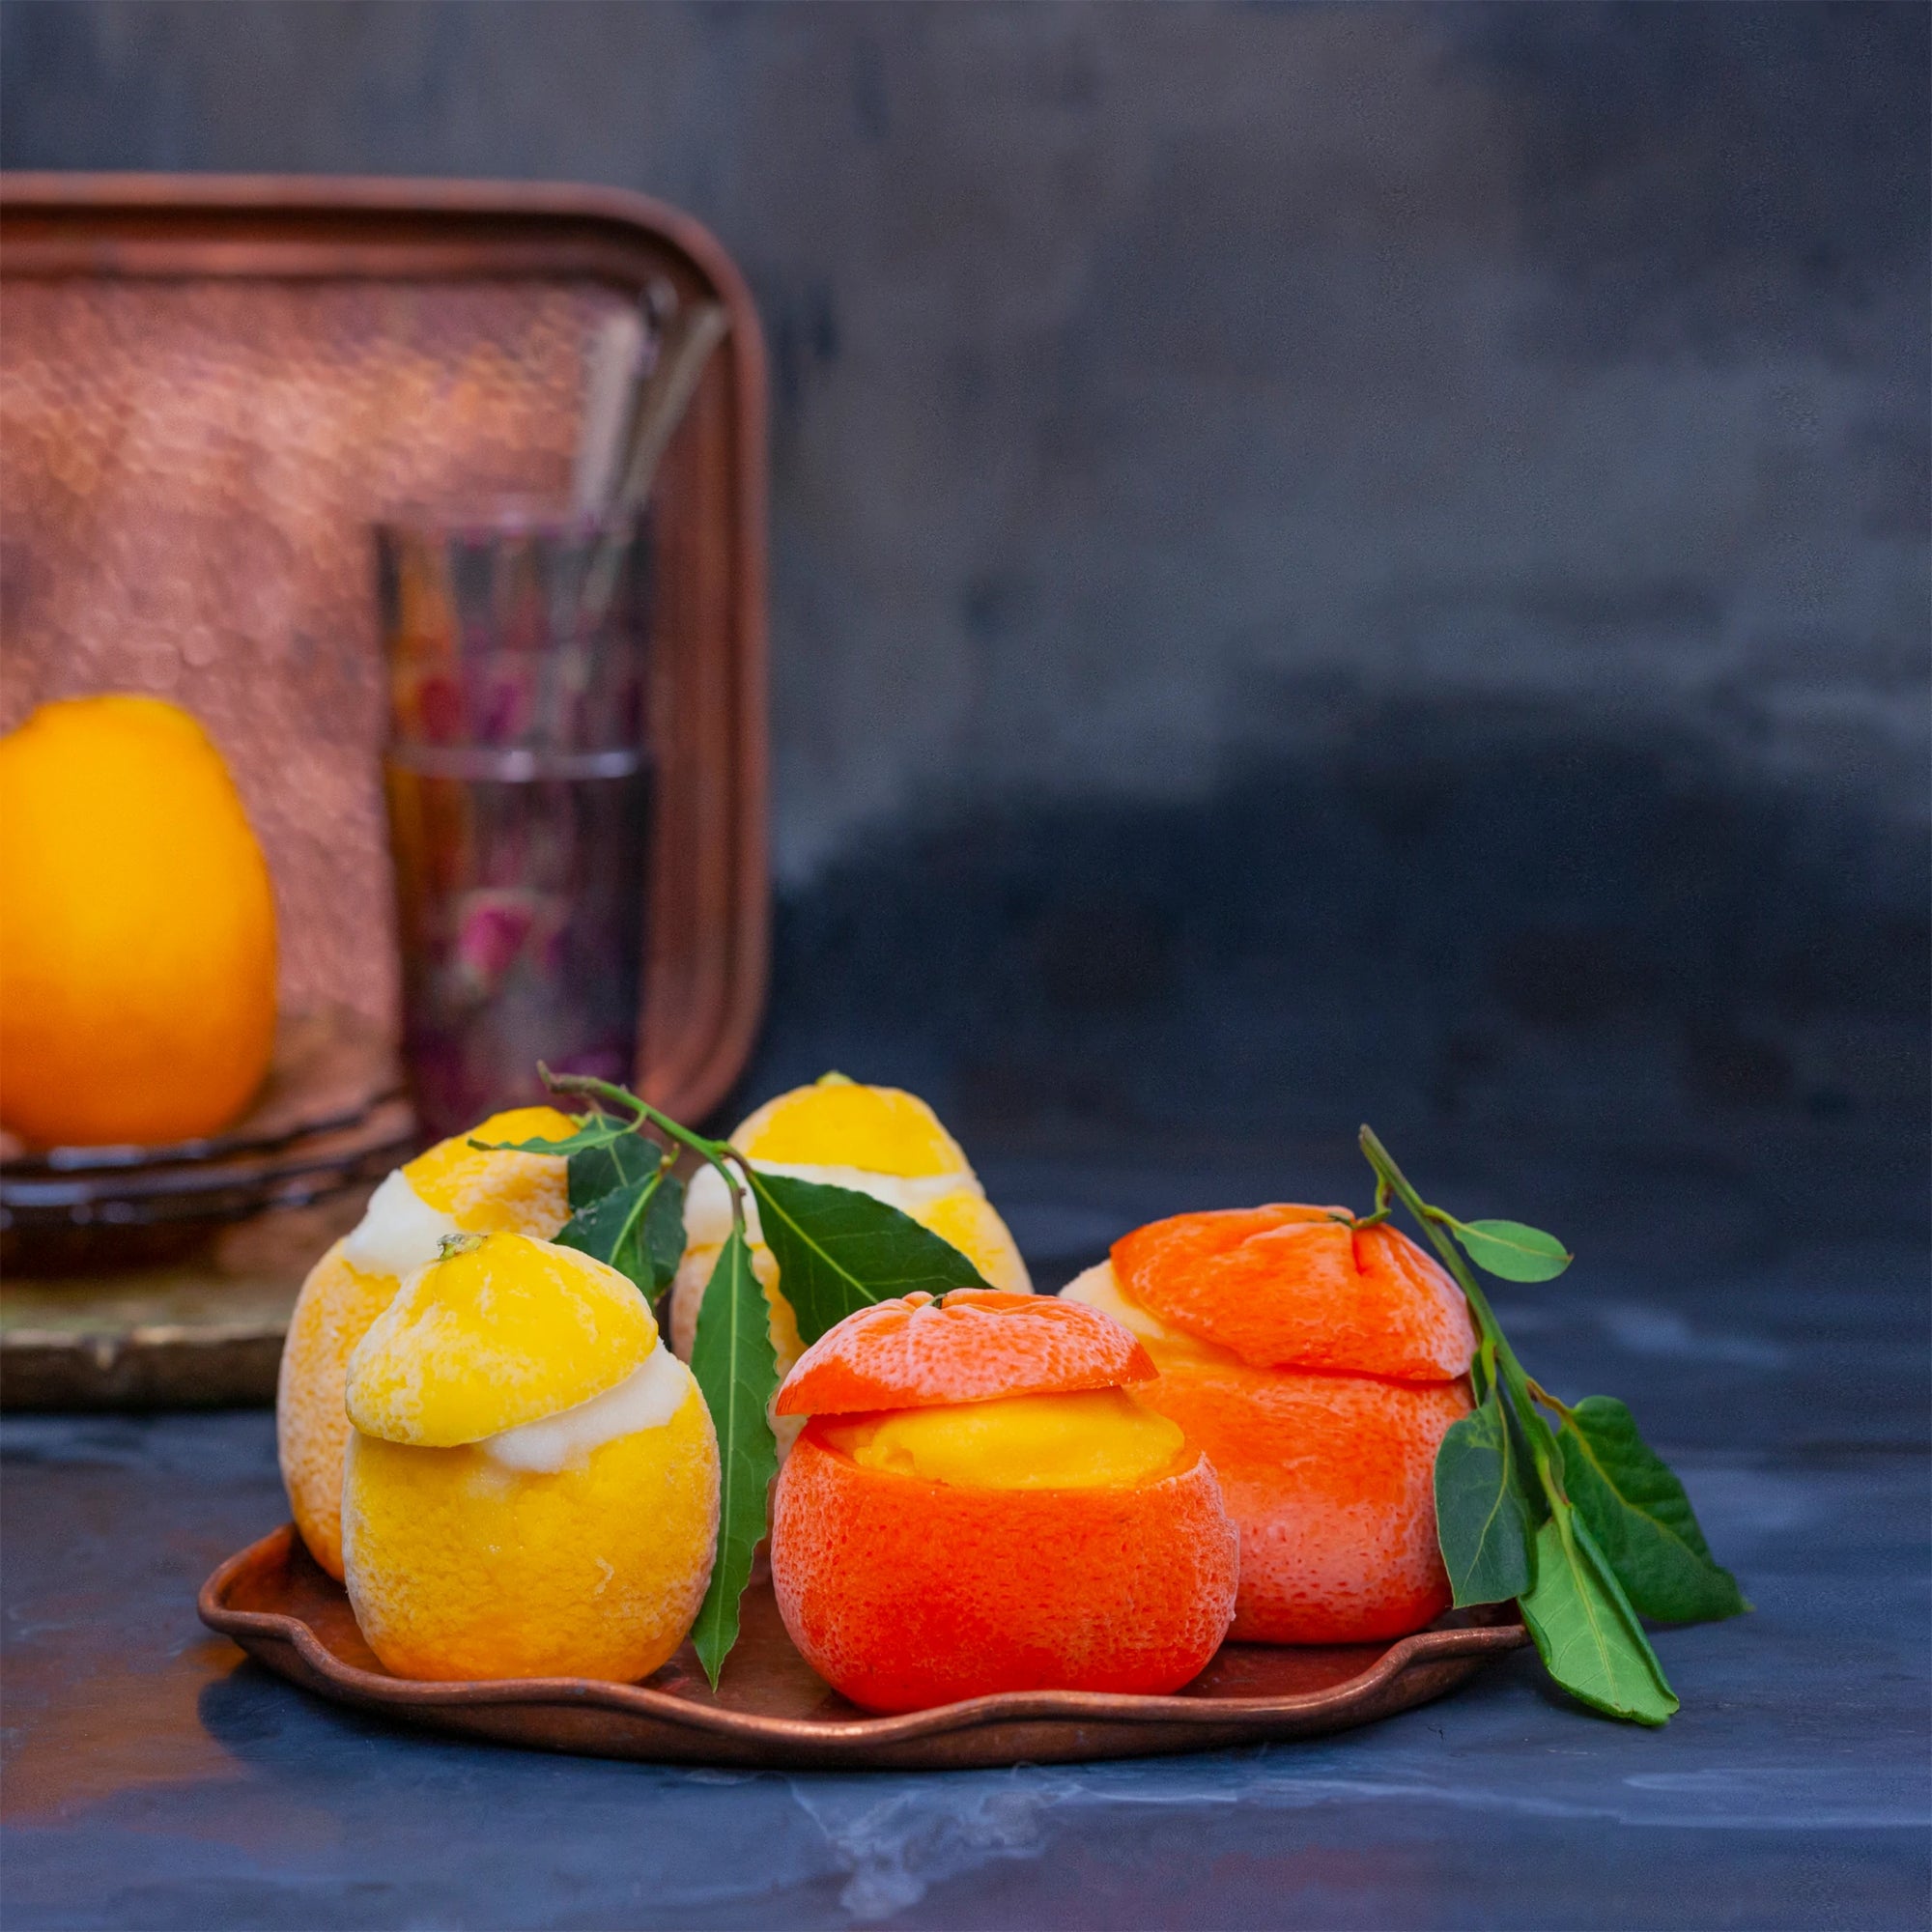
[(769, 1708), (187, 473), (210, 386)]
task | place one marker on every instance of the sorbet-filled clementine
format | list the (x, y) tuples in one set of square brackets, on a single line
[(1319, 1366), (976, 1506)]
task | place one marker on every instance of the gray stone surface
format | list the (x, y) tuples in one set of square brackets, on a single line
[(155, 1780)]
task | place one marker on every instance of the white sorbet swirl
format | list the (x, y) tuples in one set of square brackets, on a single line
[(399, 1231), (647, 1398)]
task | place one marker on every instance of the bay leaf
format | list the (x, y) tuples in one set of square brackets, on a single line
[(1586, 1632), (1511, 1251), (596, 1171), (637, 1227), (593, 1130), (1641, 1520), (1486, 1506), (838, 1250), (736, 1371)]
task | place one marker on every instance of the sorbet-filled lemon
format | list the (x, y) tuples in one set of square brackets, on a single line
[(531, 1486), (876, 1140), (454, 1188), (137, 974)]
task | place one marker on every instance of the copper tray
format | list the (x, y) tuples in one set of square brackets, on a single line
[(209, 386), (281, 1607)]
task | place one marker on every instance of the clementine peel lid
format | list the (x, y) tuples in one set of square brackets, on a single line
[(975, 1345), (1580, 1522)]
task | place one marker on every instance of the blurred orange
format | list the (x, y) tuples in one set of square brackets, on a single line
[(137, 929)]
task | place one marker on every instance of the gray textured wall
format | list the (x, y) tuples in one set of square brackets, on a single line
[(1322, 558)]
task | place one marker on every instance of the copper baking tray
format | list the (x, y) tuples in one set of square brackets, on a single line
[(209, 387), (770, 1709)]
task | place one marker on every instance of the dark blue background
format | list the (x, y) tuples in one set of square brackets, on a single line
[(1328, 563)]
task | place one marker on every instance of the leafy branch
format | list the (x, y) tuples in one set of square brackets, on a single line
[(836, 1251), (1584, 1526)]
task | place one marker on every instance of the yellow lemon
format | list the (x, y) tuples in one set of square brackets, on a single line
[(531, 1484), (454, 1188), (876, 1140), (137, 971)]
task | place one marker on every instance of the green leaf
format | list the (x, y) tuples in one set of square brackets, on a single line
[(1486, 1508), (1641, 1518), (637, 1227), (1512, 1252), (1585, 1630), (839, 1251), (596, 1171), (663, 1230), (593, 1130), (732, 1359)]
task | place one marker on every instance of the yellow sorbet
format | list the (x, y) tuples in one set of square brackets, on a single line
[(1095, 1439)]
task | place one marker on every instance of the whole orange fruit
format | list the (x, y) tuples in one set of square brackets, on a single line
[(137, 929)]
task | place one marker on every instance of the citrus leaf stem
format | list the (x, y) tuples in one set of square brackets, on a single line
[(720, 1153), (1576, 1609), (1389, 1176)]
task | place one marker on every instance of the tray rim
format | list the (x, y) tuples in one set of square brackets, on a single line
[(57, 225), (795, 1735)]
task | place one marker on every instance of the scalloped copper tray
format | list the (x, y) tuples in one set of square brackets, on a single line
[(771, 1710)]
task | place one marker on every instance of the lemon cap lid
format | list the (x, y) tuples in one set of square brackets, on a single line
[(842, 1123), (498, 1332)]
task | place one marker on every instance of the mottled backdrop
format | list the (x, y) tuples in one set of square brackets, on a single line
[(1327, 561)]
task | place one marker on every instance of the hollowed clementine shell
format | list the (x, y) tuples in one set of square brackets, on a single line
[(1330, 1480), (904, 1594)]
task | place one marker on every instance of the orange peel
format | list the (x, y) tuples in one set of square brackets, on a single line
[(1317, 1365), (974, 1345), (904, 1591), (1288, 1286)]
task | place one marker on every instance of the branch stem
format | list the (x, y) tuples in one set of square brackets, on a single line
[(1496, 1352), (720, 1153)]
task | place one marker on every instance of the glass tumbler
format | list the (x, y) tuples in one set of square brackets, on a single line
[(518, 779)]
